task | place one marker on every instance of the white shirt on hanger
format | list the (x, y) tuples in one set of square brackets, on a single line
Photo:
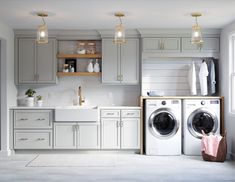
[(203, 73), (192, 80)]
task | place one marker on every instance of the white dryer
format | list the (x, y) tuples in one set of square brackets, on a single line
[(198, 115), (163, 127)]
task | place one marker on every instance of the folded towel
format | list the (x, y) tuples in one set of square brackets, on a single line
[(210, 144)]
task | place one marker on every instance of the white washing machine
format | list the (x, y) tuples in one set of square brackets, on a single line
[(199, 115), (163, 127)]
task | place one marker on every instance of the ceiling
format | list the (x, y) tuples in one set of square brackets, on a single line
[(98, 14)]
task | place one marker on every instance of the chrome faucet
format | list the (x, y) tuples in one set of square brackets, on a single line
[(81, 98)]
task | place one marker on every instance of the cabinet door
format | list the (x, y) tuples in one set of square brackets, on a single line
[(65, 135), (170, 44), (130, 62), (46, 62), (110, 61), (152, 45), (88, 136), (210, 45), (26, 61), (130, 133), (110, 129)]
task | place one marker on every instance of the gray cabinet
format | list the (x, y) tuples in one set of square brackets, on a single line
[(120, 63), (210, 45), (36, 63), (76, 135), (32, 129), (120, 129), (161, 45)]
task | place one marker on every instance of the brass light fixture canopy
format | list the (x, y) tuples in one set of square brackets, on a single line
[(119, 37), (119, 14), (196, 37), (196, 14), (42, 14), (42, 32)]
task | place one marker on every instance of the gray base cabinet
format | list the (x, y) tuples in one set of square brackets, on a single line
[(32, 129), (76, 136), (120, 63), (120, 129), (35, 63)]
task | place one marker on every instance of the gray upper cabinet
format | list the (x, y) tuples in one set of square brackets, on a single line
[(210, 45), (161, 45), (35, 63), (120, 63)]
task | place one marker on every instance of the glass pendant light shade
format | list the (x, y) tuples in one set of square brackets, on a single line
[(119, 36), (42, 33), (196, 37)]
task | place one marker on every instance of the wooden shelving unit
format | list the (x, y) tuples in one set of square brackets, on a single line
[(78, 74), (87, 56)]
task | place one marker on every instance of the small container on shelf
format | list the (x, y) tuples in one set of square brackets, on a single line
[(91, 48), (65, 68), (81, 48), (90, 68), (96, 66)]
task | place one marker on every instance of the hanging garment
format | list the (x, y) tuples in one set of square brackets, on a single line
[(203, 73), (192, 80), (211, 77)]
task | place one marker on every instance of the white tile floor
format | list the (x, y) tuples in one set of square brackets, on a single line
[(129, 167)]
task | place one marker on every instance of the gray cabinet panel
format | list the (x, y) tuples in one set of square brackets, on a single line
[(120, 63), (46, 59), (170, 44), (210, 45), (110, 62), (129, 62), (36, 62), (26, 60)]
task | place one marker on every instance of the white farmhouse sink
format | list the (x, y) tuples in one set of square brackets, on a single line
[(76, 113)]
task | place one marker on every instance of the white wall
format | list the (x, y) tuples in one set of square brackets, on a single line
[(224, 80), (93, 90), (7, 75)]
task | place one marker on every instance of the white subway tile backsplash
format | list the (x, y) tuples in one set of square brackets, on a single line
[(95, 93)]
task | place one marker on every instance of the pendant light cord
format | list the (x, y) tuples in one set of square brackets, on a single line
[(120, 20)]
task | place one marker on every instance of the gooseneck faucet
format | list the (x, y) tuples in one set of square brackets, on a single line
[(81, 98)]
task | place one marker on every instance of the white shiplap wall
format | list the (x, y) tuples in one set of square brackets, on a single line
[(168, 76)]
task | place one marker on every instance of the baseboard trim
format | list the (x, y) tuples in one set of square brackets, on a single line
[(5, 153)]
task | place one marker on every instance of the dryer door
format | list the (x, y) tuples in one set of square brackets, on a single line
[(163, 123), (202, 119)]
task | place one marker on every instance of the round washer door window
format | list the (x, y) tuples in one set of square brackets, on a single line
[(163, 124), (202, 119)]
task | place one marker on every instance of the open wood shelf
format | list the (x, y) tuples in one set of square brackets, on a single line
[(91, 56), (78, 74)]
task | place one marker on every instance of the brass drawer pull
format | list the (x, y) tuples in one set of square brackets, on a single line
[(23, 119), (41, 119), (23, 139), (40, 139)]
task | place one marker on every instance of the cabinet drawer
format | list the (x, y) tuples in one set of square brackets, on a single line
[(31, 139), (110, 113), (33, 119), (130, 113)]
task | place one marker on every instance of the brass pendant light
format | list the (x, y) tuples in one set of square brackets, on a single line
[(196, 37), (119, 37), (42, 33)]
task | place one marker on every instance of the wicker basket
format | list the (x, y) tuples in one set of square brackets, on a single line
[(221, 153)]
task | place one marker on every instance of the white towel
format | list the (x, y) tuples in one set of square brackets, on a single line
[(203, 73), (192, 80)]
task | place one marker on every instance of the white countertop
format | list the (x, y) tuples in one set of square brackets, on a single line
[(54, 107)]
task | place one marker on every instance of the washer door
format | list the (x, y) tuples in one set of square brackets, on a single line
[(202, 119), (163, 123)]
